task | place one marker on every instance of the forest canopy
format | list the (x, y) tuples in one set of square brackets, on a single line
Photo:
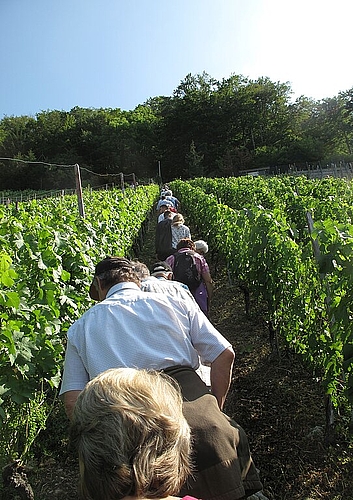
[(206, 128)]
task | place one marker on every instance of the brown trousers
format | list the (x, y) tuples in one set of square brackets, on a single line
[(223, 467)]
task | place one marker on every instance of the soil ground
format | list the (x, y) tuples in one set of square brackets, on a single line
[(275, 399)]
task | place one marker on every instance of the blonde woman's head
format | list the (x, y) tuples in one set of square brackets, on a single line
[(131, 436), (178, 219)]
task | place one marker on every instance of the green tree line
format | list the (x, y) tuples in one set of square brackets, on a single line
[(205, 128)]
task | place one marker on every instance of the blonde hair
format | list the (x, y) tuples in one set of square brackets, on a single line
[(178, 219), (131, 436)]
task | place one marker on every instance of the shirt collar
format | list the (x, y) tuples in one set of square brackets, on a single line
[(122, 286)]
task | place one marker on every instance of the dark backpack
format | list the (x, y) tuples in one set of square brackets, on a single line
[(185, 270), (163, 239)]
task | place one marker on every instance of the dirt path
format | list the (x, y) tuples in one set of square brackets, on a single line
[(276, 400)]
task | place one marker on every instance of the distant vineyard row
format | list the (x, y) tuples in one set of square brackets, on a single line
[(305, 277)]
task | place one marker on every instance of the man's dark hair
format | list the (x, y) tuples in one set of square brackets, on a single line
[(114, 276), (113, 270)]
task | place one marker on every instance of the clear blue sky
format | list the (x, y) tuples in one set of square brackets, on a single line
[(57, 54)]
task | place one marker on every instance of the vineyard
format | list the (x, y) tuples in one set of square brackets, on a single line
[(289, 242), (47, 256), (286, 242)]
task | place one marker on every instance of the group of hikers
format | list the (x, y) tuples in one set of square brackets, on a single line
[(143, 421), (185, 257)]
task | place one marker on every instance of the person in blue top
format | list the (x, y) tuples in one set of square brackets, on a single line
[(169, 196)]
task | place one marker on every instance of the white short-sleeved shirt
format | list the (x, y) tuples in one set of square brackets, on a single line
[(174, 289), (133, 328)]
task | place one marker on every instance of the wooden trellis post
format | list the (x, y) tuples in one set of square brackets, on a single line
[(81, 207), (122, 182)]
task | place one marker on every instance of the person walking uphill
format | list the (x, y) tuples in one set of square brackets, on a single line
[(146, 330), (179, 230), (194, 272), (163, 237)]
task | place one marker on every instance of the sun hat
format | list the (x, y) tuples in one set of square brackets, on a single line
[(108, 264)]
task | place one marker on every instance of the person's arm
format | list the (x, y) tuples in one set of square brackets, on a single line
[(75, 375), (221, 375), (206, 276), (70, 398)]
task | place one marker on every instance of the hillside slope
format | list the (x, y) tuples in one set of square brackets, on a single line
[(275, 399)]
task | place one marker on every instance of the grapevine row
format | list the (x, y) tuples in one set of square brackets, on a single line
[(309, 301), (48, 254)]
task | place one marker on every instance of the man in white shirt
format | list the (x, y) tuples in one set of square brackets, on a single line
[(132, 328), (160, 280)]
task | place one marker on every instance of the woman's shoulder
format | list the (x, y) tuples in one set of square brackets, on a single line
[(199, 257)]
